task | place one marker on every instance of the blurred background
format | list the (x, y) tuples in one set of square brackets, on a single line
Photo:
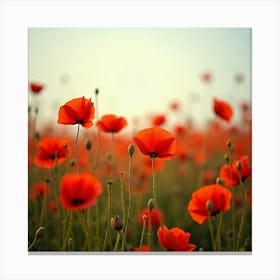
[(141, 71)]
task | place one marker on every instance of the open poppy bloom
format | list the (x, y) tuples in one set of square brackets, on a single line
[(79, 191), (111, 123), (51, 151), (155, 218), (208, 201), (174, 239), (36, 88), (77, 111), (222, 109), (158, 120), (156, 142), (39, 189), (233, 179)]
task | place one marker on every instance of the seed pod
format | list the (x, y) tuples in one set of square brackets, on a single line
[(130, 149), (116, 223)]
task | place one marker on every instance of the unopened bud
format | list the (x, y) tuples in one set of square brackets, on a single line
[(96, 91), (219, 181), (209, 205), (229, 144), (226, 158), (151, 204), (37, 136), (116, 223), (110, 182), (88, 144), (239, 165), (72, 162), (47, 181), (130, 149)]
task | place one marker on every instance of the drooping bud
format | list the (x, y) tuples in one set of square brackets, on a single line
[(130, 149), (116, 223), (219, 181), (96, 91), (88, 144), (151, 204), (229, 144)]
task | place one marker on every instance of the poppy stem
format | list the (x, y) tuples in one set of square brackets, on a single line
[(242, 222), (36, 237), (97, 226), (113, 155), (109, 213), (117, 243), (149, 235), (76, 148), (143, 231), (123, 238), (211, 231), (232, 200), (86, 232), (218, 235), (65, 242), (44, 203), (129, 193), (154, 180)]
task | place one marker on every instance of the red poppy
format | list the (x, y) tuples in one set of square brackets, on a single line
[(51, 151), (36, 88), (156, 142), (206, 77), (174, 239), (39, 189), (214, 197), (77, 111), (155, 218), (158, 120), (111, 123), (222, 109), (143, 248), (174, 105), (79, 191), (230, 175)]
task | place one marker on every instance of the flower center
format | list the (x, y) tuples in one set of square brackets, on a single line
[(77, 201), (153, 154)]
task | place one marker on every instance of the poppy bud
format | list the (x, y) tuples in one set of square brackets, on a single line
[(110, 182), (219, 181), (36, 110), (96, 91), (209, 205), (37, 136), (72, 162), (239, 166), (226, 158), (229, 144), (70, 243), (130, 149), (88, 144), (151, 204), (116, 223), (47, 180)]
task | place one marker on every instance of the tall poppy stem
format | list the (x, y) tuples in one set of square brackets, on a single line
[(86, 232), (44, 204), (76, 148), (129, 193), (143, 231), (242, 222), (97, 227), (211, 232), (154, 180), (113, 155), (109, 213), (218, 236), (68, 231)]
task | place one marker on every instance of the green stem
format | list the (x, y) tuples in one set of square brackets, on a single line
[(129, 193), (123, 238), (36, 237), (113, 155), (109, 214), (86, 232), (211, 232), (242, 222), (117, 243), (149, 228), (218, 235), (44, 203), (143, 231), (76, 148), (68, 231), (97, 227)]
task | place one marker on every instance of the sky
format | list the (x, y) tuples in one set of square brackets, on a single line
[(139, 71)]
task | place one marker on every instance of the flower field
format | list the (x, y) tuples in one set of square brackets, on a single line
[(159, 188)]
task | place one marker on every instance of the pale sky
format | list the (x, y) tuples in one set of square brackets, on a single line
[(139, 71)]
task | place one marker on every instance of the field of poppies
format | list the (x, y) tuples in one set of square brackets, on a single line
[(179, 188)]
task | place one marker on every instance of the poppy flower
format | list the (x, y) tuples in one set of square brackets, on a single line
[(155, 218), (174, 239), (214, 197), (222, 109), (143, 248), (206, 77), (36, 88), (79, 191), (39, 189), (156, 142), (158, 120), (77, 111), (233, 179), (174, 105), (111, 123), (51, 151)]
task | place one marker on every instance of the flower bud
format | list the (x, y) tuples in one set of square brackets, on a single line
[(229, 144), (219, 181), (239, 165), (226, 158), (96, 91), (130, 149), (151, 204), (88, 144), (116, 223), (209, 205)]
